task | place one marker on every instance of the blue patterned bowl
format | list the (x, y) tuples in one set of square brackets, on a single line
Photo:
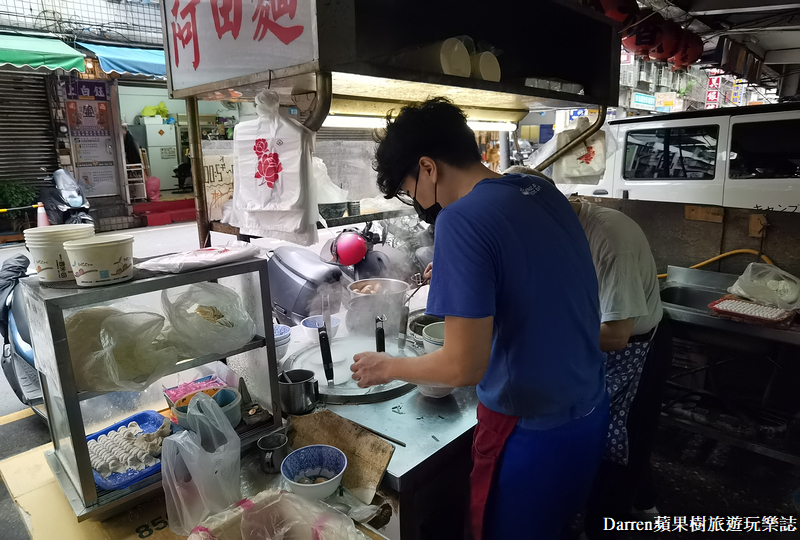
[(314, 460)]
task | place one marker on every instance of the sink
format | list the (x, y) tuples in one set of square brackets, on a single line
[(686, 295), (690, 297)]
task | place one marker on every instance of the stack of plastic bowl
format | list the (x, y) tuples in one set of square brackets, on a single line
[(283, 336), (433, 340), (46, 245)]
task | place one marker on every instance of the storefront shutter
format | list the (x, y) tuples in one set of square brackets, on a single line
[(27, 142)]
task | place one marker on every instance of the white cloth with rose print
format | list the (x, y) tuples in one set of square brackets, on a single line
[(274, 194)]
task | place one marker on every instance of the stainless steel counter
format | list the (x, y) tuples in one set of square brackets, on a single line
[(432, 430)]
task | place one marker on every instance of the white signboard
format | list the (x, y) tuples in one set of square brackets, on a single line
[(214, 40), (219, 183)]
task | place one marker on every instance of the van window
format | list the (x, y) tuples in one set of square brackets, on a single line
[(765, 149), (692, 153)]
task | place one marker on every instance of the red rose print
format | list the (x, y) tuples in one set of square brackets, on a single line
[(588, 156), (260, 147), (269, 164)]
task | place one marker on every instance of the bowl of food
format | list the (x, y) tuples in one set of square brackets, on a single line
[(314, 471), (312, 324), (378, 286)]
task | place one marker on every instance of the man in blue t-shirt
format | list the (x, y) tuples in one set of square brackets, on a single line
[(515, 283)]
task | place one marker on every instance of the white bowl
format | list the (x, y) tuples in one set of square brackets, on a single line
[(317, 459), (436, 392), (101, 260), (431, 347), (47, 250), (434, 333), (310, 324)]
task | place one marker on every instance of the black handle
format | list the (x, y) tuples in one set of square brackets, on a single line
[(316, 391), (325, 349), (380, 339), (600, 192), (401, 338)]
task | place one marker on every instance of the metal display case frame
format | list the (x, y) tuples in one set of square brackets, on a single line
[(69, 459)]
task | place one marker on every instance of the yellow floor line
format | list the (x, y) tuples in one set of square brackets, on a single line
[(13, 417)]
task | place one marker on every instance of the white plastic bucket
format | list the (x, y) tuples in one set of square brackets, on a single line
[(101, 260), (46, 245)]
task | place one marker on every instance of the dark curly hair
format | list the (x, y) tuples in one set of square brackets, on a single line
[(436, 128)]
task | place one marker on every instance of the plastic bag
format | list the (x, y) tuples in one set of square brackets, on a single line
[(274, 192), (186, 261), (200, 468), (327, 191), (275, 515), (153, 188), (113, 350), (207, 318), (769, 285)]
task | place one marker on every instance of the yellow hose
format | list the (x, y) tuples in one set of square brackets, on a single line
[(718, 257)]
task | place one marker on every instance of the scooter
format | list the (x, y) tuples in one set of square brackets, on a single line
[(17, 361), (66, 203)]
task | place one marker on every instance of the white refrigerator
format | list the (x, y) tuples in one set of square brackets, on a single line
[(162, 151)]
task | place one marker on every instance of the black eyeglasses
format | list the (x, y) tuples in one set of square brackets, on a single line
[(404, 196)]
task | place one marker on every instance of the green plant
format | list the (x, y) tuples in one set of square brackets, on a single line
[(15, 195)]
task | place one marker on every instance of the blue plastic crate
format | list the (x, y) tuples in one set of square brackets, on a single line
[(149, 421)]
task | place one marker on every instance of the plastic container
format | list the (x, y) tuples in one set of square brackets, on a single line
[(149, 421), (229, 400), (314, 460), (432, 341), (46, 245), (101, 260)]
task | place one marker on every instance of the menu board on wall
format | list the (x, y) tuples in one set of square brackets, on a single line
[(88, 115)]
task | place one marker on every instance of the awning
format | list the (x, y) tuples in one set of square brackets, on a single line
[(34, 52), (148, 62)]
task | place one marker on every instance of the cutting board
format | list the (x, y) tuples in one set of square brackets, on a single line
[(367, 454)]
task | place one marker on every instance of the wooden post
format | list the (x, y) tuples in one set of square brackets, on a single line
[(198, 173)]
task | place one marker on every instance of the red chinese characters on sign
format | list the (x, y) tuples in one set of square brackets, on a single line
[(712, 96), (712, 105), (269, 164), (714, 82), (267, 14), (227, 16), (186, 32)]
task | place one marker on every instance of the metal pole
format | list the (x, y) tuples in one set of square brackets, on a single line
[(196, 155), (322, 103), (601, 118)]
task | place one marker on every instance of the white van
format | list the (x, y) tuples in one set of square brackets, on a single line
[(741, 157)]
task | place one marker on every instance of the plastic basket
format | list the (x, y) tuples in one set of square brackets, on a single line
[(149, 421)]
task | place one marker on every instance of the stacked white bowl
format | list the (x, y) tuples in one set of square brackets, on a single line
[(283, 336), (433, 340), (46, 245)]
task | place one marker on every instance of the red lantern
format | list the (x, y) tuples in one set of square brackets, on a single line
[(689, 51), (618, 10), (670, 41), (643, 33)]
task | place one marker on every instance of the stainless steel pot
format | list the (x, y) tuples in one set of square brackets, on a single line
[(299, 391), (362, 309)]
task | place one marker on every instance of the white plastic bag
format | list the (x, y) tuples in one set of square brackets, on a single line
[(207, 318), (187, 261), (274, 192), (327, 191), (113, 350), (200, 468), (769, 285), (277, 515)]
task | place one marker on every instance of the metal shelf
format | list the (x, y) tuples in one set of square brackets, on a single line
[(256, 343), (70, 456)]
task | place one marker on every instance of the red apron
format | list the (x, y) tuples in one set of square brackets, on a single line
[(490, 437)]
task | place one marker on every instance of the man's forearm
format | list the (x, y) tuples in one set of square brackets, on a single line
[(433, 369)]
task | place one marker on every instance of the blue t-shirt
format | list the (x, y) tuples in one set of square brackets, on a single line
[(514, 249)]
